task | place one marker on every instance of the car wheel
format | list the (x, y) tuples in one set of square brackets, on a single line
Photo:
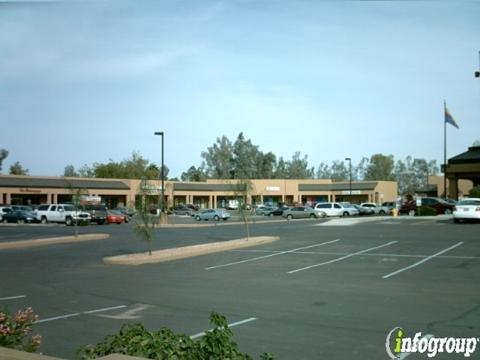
[(456, 221), (346, 214), (323, 214), (20, 221), (270, 214), (4, 221), (197, 218), (448, 212), (312, 216), (411, 213), (289, 217), (44, 220), (381, 212), (68, 221), (216, 218)]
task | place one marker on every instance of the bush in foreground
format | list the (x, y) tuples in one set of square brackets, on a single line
[(15, 330), (136, 340), (426, 211)]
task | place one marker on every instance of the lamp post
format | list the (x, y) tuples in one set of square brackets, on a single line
[(162, 207), (350, 172)]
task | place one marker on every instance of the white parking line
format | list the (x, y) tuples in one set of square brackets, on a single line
[(341, 258), (79, 313), (270, 255), (13, 297), (421, 256), (422, 261), (241, 322)]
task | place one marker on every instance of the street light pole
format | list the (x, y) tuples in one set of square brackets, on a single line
[(350, 171), (162, 200)]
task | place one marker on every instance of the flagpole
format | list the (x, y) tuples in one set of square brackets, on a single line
[(444, 150)]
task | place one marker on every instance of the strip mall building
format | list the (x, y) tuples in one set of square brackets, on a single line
[(33, 190)]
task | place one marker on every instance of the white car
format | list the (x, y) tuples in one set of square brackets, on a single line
[(467, 209), (4, 210), (380, 210), (336, 209)]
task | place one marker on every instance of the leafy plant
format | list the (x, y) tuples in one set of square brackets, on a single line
[(136, 340), (475, 192), (426, 211), (15, 330)]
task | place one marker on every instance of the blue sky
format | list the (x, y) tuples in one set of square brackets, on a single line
[(84, 82)]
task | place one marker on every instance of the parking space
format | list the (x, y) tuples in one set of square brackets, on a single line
[(320, 292)]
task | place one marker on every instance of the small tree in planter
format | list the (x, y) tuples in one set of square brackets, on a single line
[(243, 189), (145, 221)]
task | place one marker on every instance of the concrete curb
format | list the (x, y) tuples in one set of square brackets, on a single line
[(187, 251), (50, 241)]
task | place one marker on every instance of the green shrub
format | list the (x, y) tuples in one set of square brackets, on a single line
[(15, 330), (426, 211), (475, 192), (136, 340)]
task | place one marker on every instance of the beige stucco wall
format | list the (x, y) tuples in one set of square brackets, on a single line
[(285, 190)]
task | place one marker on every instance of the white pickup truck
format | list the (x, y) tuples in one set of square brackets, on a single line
[(61, 213)]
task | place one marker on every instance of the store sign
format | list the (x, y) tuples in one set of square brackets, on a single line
[(28, 190), (354, 192), (272, 188)]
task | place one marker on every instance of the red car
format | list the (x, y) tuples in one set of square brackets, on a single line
[(440, 206), (115, 217)]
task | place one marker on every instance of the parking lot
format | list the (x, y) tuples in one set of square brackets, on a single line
[(328, 289)]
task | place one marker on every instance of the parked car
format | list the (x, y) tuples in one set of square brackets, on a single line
[(390, 205), (301, 212), (212, 214), (363, 210), (263, 210), (19, 216), (22, 208), (467, 209), (410, 207), (277, 212), (377, 209), (126, 210), (336, 209), (98, 213), (4, 210), (182, 210), (61, 213), (115, 217)]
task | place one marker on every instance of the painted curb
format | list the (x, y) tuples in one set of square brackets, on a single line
[(50, 241), (187, 251)]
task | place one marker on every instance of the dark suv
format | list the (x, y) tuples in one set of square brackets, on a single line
[(97, 212)]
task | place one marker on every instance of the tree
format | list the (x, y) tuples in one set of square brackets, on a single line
[(380, 167), (69, 171), (412, 174), (323, 171), (86, 171), (339, 172), (17, 169), (298, 167), (3, 156), (281, 171), (194, 174), (218, 159)]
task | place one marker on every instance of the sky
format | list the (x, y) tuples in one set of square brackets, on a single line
[(91, 81)]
